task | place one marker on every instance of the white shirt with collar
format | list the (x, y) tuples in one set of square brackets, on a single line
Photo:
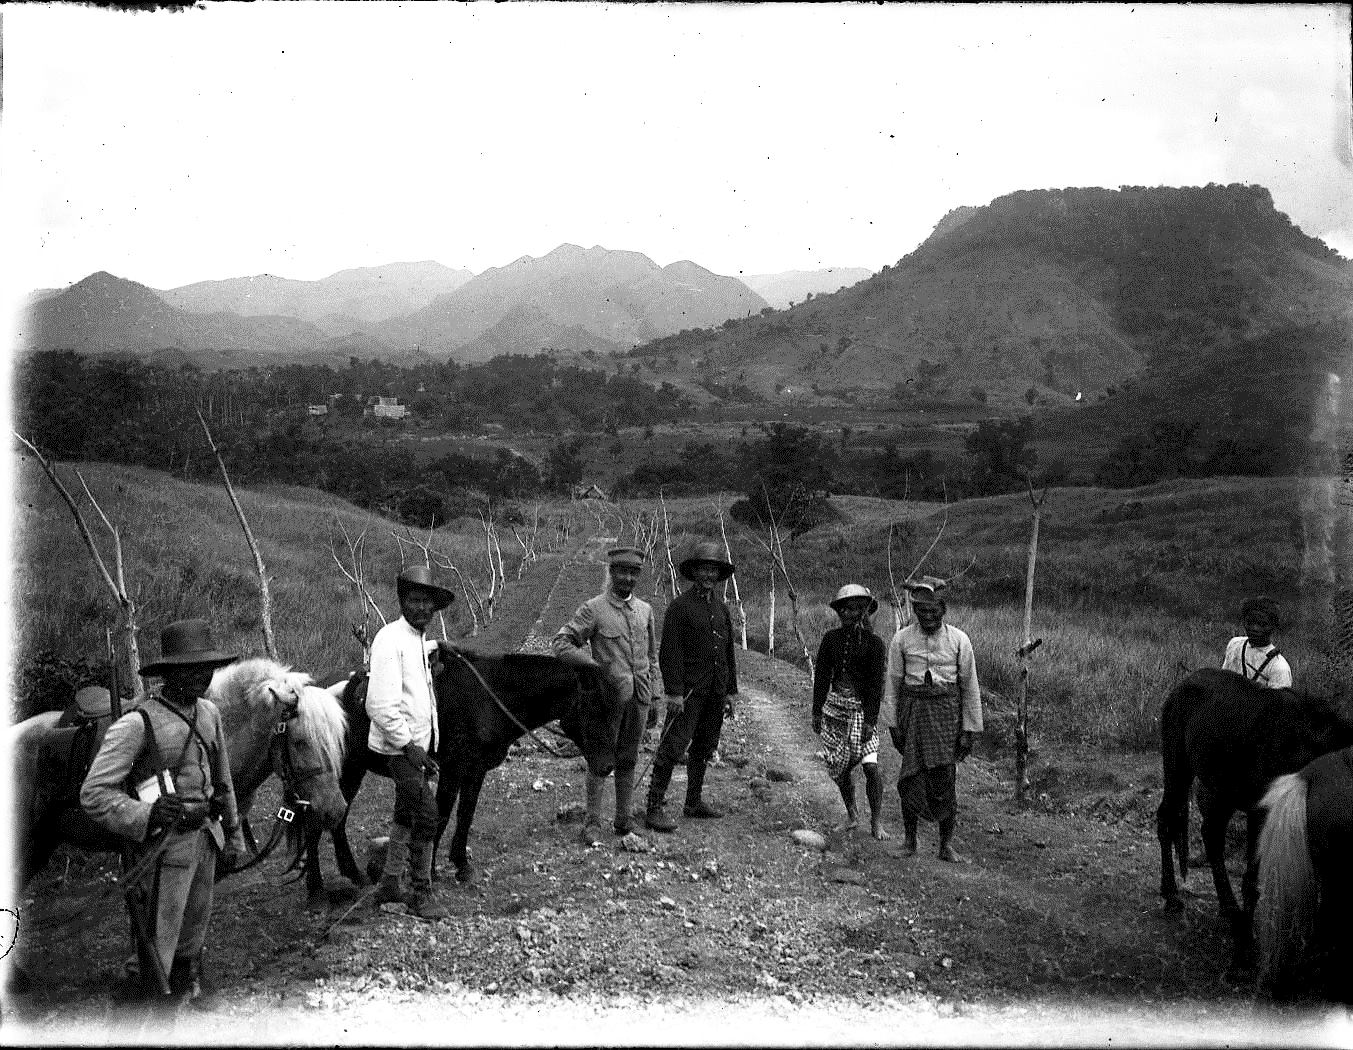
[(1249, 660), (399, 696)]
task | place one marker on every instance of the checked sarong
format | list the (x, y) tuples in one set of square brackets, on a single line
[(843, 740)]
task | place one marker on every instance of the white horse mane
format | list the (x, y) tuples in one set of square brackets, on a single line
[(253, 683)]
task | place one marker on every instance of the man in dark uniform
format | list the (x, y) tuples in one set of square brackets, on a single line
[(699, 677), (175, 763)]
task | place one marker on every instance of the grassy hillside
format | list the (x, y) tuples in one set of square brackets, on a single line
[(1131, 585)]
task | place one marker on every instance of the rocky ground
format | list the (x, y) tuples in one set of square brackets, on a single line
[(729, 931)]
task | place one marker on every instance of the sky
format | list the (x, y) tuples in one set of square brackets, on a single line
[(299, 139)]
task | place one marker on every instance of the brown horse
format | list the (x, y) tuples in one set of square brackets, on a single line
[(484, 703), (1234, 737)]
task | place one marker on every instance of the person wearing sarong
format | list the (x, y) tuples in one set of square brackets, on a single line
[(847, 689), (614, 633), (931, 679)]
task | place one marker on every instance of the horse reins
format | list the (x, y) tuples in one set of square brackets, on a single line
[(503, 707)]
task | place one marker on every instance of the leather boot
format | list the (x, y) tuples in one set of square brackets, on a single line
[(655, 814), (695, 785), (388, 890), (624, 801), (591, 832), (423, 901)]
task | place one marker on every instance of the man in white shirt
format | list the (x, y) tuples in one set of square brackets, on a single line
[(1253, 654), (931, 681), (403, 710)]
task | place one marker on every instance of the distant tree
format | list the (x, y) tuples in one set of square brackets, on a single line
[(564, 465), (1001, 457), (788, 475)]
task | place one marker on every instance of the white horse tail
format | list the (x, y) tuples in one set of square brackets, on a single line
[(1288, 893)]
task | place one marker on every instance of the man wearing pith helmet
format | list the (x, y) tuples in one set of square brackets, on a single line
[(403, 710), (847, 690), (614, 633), (931, 679), (699, 678)]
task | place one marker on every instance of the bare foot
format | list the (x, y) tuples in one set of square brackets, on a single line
[(878, 832), (849, 824), (947, 854), (909, 848)]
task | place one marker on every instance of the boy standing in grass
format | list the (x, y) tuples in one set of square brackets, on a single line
[(1253, 654)]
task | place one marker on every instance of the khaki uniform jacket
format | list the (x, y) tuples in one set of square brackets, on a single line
[(624, 642)]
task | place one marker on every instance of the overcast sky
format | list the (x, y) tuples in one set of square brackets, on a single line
[(299, 139)]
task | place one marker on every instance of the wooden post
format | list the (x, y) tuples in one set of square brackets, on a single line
[(1024, 652)]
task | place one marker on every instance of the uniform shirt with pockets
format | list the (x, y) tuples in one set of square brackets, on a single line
[(399, 697), (124, 760), (623, 640)]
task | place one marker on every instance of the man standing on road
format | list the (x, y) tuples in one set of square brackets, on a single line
[(172, 753), (847, 689), (618, 629), (403, 710), (699, 678), (931, 678)]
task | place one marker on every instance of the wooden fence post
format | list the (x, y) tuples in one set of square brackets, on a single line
[(1024, 652)]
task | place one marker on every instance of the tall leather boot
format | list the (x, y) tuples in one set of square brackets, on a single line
[(592, 822), (388, 890), (423, 901), (695, 785), (655, 812), (624, 801)]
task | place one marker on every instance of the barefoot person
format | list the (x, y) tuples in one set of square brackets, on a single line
[(931, 679), (847, 689), (699, 678), (403, 735), (614, 632), (172, 753)]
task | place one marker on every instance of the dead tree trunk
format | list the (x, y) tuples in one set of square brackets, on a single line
[(1025, 652), (264, 597)]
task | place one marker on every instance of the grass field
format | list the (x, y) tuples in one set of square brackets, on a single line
[(1131, 586)]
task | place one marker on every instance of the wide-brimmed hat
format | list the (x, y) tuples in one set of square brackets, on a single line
[(630, 556), (187, 643), (926, 589), (854, 590), (708, 551), (420, 576)]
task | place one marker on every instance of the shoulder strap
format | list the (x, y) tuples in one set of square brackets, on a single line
[(1267, 660), (207, 749), (157, 759)]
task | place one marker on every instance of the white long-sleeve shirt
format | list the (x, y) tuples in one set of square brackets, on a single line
[(399, 696), (1246, 659), (947, 655)]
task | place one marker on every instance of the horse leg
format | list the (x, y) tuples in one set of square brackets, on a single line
[(470, 787), (1242, 922), (1215, 819), (448, 788), (316, 896), (349, 783), (1167, 832)]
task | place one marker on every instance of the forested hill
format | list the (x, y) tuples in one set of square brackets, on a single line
[(1040, 294)]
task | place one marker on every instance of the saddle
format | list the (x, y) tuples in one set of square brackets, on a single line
[(65, 756)]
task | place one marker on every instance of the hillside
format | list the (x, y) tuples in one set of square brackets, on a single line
[(104, 315), (1061, 291), (619, 297), (343, 302)]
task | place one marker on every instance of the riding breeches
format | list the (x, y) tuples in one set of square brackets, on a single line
[(415, 798), (697, 725)]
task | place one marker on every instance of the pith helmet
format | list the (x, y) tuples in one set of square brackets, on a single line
[(854, 590), (420, 576), (187, 643), (706, 550)]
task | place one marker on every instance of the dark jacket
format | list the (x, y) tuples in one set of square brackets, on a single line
[(861, 663), (696, 654)]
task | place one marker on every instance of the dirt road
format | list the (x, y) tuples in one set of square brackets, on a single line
[(726, 931)]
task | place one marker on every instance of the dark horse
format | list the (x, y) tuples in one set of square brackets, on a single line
[(1305, 911), (483, 703), (1235, 738)]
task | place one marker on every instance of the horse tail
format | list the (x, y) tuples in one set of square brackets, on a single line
[(1172, 818), (1288, 892)]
